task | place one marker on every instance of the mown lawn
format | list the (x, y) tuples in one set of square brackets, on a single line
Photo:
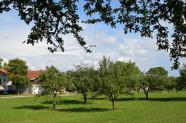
[(162, 108)]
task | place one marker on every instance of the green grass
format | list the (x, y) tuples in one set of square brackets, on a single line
[(161, 108)]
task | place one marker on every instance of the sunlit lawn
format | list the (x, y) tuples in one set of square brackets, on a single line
[(162, 108)]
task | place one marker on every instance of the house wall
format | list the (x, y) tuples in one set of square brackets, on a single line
[(3, 79), (3, 82), (33, 89), (36, 89), (25, 90), (7, 87)]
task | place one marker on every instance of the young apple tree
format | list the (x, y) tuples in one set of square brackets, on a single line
[(53, 82)]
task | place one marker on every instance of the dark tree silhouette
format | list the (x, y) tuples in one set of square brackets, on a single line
[(55, 18)]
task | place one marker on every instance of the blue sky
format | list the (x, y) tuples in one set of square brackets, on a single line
[(110, 42)]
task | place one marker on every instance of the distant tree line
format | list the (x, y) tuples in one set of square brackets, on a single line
[(111, 79)]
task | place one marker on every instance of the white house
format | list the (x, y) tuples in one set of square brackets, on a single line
[(35, 87), (7, 87), (3, 81)]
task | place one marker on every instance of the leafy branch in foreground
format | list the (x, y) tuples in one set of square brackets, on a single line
[(52, 19)]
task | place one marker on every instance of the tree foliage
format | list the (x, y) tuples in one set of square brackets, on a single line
[(145, 17), (52, 20), (53, 82), (158, 71), (170, 83), (181, 82), (158, 77), (55, 18), (154, 79), (17, 70), (83, 80), (117, 78)]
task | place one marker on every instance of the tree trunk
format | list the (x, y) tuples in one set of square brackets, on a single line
[(113, 101), (146, 94), (146, 91), (17, 89), (113, 104), (85, 98), (54, 102)]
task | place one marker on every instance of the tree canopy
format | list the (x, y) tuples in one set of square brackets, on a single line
[(155, 79), (17, 70), (83, 80), (159, 71), (117, 78), (53, 83), (52, 19), (181, 82)]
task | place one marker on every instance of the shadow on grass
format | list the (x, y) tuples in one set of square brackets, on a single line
[(154, 99), (40, 107), (97, 98), (64, 102), (83, 110), (33, 107)]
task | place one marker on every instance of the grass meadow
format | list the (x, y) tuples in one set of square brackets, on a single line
[(161, 108)]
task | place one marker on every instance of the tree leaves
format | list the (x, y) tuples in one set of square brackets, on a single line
[(145, 17), (17, 70), (53, 81), (53, 19)]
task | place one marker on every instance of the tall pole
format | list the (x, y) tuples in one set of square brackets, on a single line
[(92, 46)]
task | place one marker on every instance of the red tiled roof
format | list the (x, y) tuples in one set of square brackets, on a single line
[(3, 71), (33, 74)]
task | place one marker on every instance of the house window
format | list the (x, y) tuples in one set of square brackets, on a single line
[(0, 81)]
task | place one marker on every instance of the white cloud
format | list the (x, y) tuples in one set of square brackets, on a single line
[(105, 38), (124, 59)]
